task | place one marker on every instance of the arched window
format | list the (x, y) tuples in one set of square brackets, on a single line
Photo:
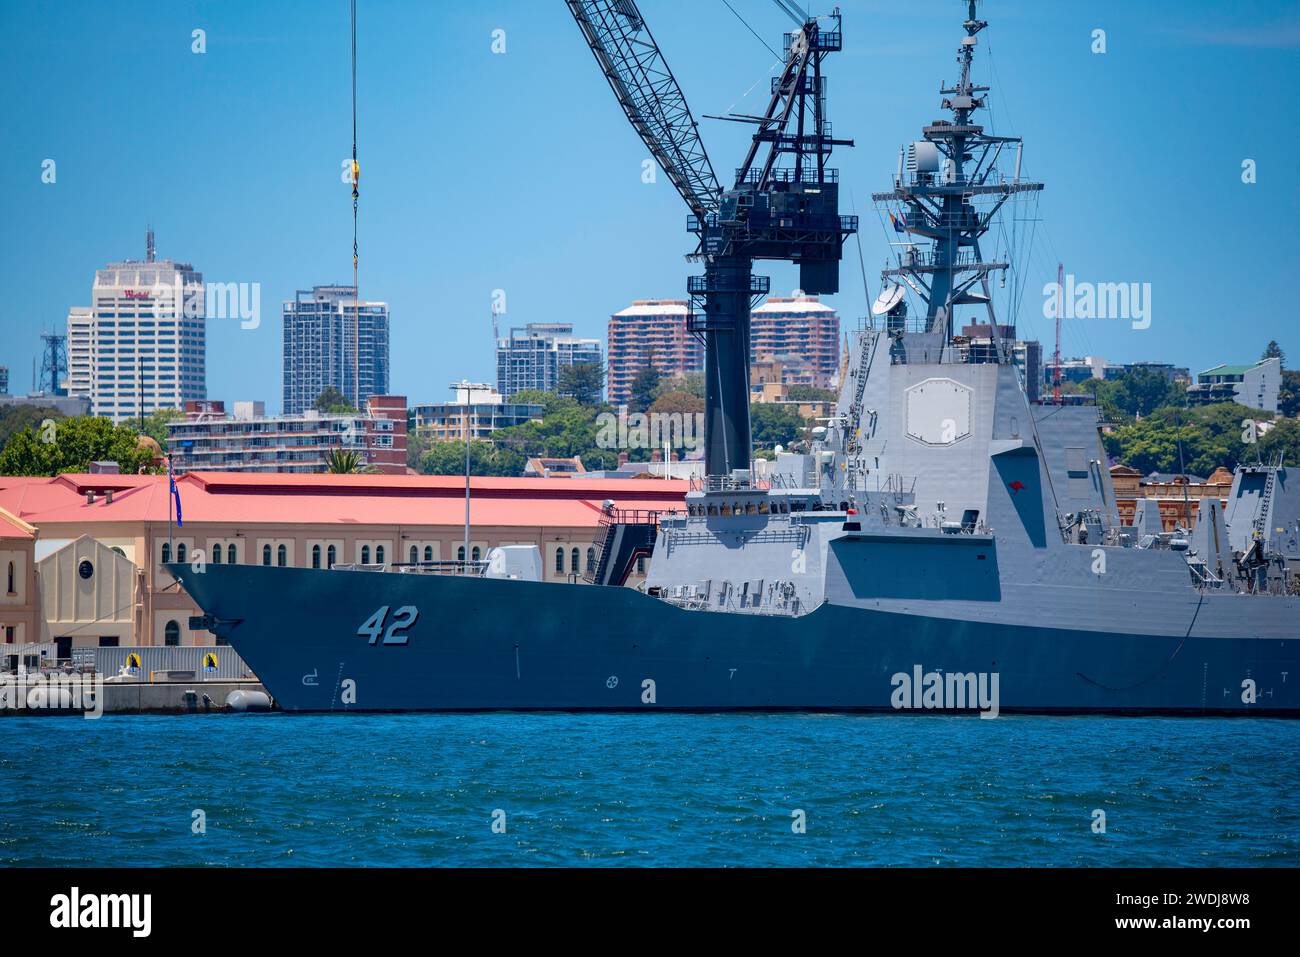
[(415, 554), (559, 561), (591, 560), (460, 553), (172, 634), (474, 555), (282, 556), (216, 554), (428, 553), (180, 551), (230, 554), (573, 561), (315, 556), (166, 553), (266, 554), (365, 554), (11, 578), (330, 556), (379, 554)]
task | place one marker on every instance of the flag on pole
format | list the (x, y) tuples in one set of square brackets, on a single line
[(899, 221), (175, 492)]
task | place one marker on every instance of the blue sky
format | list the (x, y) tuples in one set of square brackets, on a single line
[(519, 172)]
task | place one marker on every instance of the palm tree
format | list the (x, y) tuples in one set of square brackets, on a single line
[(347, 462)]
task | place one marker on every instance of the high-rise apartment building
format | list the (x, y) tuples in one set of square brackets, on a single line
[(322, 329), (650, 332), (141, 346), (799, 326), (532, 357), (248, 440)]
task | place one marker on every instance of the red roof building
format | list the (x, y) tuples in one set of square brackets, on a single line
[(318, 520)]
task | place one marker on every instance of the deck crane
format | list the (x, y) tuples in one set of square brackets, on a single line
[(783, 205)]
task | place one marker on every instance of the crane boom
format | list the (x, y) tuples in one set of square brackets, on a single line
[(787, 214), (648, 92)]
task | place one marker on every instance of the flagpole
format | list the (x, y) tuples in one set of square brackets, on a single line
[(170, 547)]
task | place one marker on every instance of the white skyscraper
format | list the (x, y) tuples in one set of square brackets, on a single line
[(141, 346)]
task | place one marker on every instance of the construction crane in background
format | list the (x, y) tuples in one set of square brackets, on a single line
[(54, 363), (783, 204)]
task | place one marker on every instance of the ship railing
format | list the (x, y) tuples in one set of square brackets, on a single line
[(727, 483), (632, 516), (442, 567)]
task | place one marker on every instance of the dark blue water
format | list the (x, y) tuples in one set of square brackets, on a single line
[(664, 789)]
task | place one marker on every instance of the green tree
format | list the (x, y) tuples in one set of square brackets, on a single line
[(583, 381), (332, 400), (643, 388), (448, 458), (347, 462), (15, 418), (1274, 351), (1288, 398), (155, 425), (672, 402), (1137, 393), (810, 393), (690, 382), (1282, 439), (76, 443), (773, 423), (1195, 441)]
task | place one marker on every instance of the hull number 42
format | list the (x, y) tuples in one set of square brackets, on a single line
[(402, 619)]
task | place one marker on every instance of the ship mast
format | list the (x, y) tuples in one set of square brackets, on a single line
[(949, 194)]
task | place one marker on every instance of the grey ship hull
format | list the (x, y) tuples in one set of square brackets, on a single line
[(488, 644)]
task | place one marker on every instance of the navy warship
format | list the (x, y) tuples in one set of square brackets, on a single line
[(943, 543)]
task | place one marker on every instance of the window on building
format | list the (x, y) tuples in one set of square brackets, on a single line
[(282, 556), (559, 561), (591, 560), (365, 554), (475, 554), (573, 561), (428, 553), (216, 554), (640, 566), (230, 554), (11, 578), (180, 551), (166, 552), (330, 556), (315, 556), (415, 554), (379, 554), (460, 553), (266, 554), (172, 634)]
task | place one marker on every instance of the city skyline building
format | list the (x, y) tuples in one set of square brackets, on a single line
[(322, 327), (1026, 354), (1255, 385), (649, 330), (801, 326), (477, 408), (532, 356), (246, 439), (141, 345)]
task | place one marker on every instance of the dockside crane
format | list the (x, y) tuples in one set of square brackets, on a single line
[(783, 204)]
